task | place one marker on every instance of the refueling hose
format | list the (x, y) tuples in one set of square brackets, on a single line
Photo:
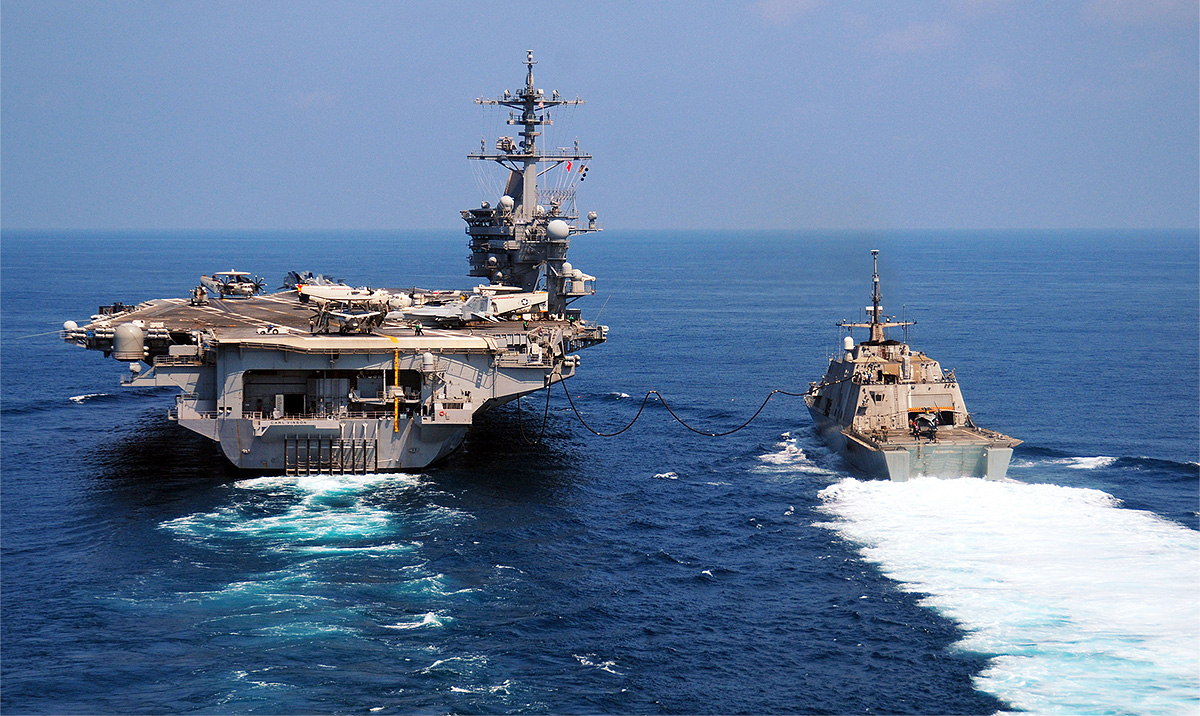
[(641, 409), (678, 419)]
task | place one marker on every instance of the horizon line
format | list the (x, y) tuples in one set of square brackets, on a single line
[(227, 230)]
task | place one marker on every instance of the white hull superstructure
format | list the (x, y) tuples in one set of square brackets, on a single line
[(893, 412)]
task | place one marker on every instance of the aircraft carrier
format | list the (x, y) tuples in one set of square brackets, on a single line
[(333, 379), (892, 412)]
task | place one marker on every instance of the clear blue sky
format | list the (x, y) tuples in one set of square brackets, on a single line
[(772, 114)]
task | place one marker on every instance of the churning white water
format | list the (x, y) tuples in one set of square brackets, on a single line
[(1082, 606)]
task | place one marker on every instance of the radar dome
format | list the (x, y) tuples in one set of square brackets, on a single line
[(70, 325), (506, 202), (128, 342), (558, 229)]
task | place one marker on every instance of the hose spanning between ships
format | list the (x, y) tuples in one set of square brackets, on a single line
[(641, 409)]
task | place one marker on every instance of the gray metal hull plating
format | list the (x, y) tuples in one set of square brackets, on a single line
[(336, 446), (299, 402), (230, 401), (919, 459)]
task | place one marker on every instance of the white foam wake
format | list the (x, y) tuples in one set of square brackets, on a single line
[(1073, 463), (1082, 605), (1086, 463), (320, 513), (789, 456), (429, 619), (86, 396), (595, 661)]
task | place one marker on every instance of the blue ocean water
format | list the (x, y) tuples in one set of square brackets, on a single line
[(658, 571)]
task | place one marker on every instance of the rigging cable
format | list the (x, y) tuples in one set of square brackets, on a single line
[(545, 419), (678, 419), (642, 408)]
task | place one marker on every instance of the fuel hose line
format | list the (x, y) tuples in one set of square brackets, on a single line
[(641, 409)]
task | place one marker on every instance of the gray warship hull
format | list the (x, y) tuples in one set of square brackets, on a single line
[(952, 455), (276, 397), (332, 378)]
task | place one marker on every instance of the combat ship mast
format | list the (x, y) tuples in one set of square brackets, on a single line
[(878, 321)]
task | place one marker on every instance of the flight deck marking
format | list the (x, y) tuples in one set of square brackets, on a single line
[(282, 313)]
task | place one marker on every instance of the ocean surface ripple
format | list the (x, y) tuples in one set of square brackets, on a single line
[(659, 572)]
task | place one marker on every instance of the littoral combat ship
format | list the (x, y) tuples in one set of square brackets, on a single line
[(330, 378), (892, 412)]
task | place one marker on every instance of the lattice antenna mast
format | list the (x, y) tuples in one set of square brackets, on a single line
[(530, 111), (876, 319), (520, 243)]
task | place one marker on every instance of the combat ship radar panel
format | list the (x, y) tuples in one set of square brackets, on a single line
[(892, 412), (327, 377)]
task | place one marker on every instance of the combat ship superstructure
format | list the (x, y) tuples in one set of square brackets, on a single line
[(892, 412), (336, 379)]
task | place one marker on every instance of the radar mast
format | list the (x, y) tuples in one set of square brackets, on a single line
[(877, 323), (521, 242)]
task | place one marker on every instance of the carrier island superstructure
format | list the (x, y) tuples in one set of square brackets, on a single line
[(339, 379), (892, 412)]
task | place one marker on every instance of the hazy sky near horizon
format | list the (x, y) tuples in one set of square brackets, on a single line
[(770, 114)]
